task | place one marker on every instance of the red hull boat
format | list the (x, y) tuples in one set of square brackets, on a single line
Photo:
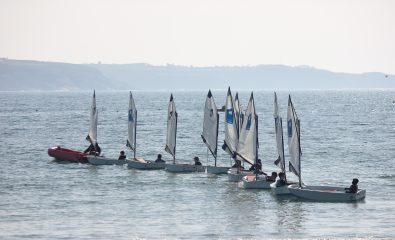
[(64, 154)]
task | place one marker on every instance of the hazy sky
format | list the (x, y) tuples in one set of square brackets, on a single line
[(338, 35)]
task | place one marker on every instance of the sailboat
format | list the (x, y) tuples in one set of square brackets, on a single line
[(280, 186), (248, 145), (137, 163), (92, 138), (65, 154), (318, 193), (171, 138), (210, 133), (232, 121)]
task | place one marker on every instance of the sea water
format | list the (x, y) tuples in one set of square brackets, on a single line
[(344, 135)]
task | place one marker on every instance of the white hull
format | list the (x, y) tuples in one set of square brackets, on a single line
[(280, 190), (326, 193), (217, 170), (234, 176), (145, 165), (253, 182), (184, 168), (98, 160)]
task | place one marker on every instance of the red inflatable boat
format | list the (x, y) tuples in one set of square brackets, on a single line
[(64, 154)]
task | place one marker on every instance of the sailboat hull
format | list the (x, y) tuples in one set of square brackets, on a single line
[(184, 168), (145, 165), (255, 182), (326, 193), (98, 160), (64, 154), (236, 176), (280, 189), (217, 170)]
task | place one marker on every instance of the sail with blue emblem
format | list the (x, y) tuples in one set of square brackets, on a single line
[(231, 132), (132, 125), (293, 126), (247, 147)]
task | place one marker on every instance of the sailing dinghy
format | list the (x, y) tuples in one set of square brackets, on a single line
[(247, 148), (281, 185), (137, 163), (317, 193), (92, 138), (236, 173), (64, 154), (210, 133), (171, 137)]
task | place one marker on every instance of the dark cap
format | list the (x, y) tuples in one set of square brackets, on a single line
[(355, 180)]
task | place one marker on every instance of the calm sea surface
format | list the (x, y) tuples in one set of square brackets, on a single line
[(344, 134)]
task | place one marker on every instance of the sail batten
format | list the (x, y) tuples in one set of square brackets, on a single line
[(171, 128), (247, 147), (210, 125)]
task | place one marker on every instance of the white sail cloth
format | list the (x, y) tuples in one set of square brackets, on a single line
[(132, 124), (231, 131), (171, 128), (210, 124), (247, 147), (293, 139), (92, 135), (278, 127)]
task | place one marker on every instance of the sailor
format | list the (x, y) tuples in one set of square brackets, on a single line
[(197, 161), (159, 159), (122, 156), (93, 150), (354, 186)]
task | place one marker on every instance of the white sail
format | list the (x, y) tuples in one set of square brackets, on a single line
[(247, 147), (231, 132), (238, 113), (293, 139), (278, 127), (171, 128), (210, 125), (132, 124), (92, 135)]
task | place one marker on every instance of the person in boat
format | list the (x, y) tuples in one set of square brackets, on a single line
[(93, 150), (354, 186), (122, 155), (159, 159), (257, 167), (272, 178), (281, 181), (197, 161), (237, 164)]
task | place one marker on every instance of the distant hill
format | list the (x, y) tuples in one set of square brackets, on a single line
[(21, 75)]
